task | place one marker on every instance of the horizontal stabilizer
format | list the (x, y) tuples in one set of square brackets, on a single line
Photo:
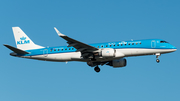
[(16, 50)]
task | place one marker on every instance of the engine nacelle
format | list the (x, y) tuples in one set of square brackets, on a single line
[(108, 53), (118, 63)]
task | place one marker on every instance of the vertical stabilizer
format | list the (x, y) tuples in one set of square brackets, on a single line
[(23, 41)]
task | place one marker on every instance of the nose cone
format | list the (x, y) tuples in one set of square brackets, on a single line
[(173, 48)]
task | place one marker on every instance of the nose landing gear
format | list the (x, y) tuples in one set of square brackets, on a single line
[(97, 69), (157, 60), (157, 56)]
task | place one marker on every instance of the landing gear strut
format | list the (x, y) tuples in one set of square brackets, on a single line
[(157, 56), (97, 69)]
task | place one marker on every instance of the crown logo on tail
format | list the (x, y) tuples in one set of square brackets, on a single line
[(23, 38), (23, 41)]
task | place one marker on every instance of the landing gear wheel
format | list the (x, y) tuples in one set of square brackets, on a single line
[(157, 60), (97, 69), (157, 56)]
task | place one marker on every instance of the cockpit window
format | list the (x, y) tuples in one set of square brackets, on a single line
[(163, 42)]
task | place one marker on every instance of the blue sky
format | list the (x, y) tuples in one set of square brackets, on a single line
[(90, 21)]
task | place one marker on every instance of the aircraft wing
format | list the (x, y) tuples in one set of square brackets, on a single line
[(76, 44)]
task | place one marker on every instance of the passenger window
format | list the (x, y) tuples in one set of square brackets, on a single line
[(140, 43), (97, 46), (110, 45), (62, 49), (106, 45), (101, 46), (121, 44), (54, 49), (65, 49), (58, 49), (136, 43), (51, 50), (72, 48), (69, 48), (132, 43), (117, 44), (128, 43), (114, 45), (125, 44)]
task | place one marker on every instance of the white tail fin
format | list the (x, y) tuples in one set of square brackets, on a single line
[(23, 41)]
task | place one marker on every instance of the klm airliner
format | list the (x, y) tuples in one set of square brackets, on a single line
[(110, 53)]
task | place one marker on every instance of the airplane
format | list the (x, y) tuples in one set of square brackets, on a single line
[(109, 53)]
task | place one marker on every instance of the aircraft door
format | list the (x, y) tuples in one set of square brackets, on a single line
[(45, 53), (153, 44)]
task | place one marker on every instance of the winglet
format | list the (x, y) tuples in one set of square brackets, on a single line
[(59, 33)]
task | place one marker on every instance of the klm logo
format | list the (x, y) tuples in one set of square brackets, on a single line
[(23, 41)]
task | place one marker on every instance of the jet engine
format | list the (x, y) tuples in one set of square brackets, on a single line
[(118, 63), (108, 53)]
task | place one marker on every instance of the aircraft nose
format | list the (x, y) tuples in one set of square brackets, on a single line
[(174, 48)]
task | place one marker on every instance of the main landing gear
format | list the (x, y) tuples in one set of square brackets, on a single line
[(157, 56), (97, 69), (95, 65)]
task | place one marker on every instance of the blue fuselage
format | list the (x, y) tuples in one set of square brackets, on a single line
[(136, 44)]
